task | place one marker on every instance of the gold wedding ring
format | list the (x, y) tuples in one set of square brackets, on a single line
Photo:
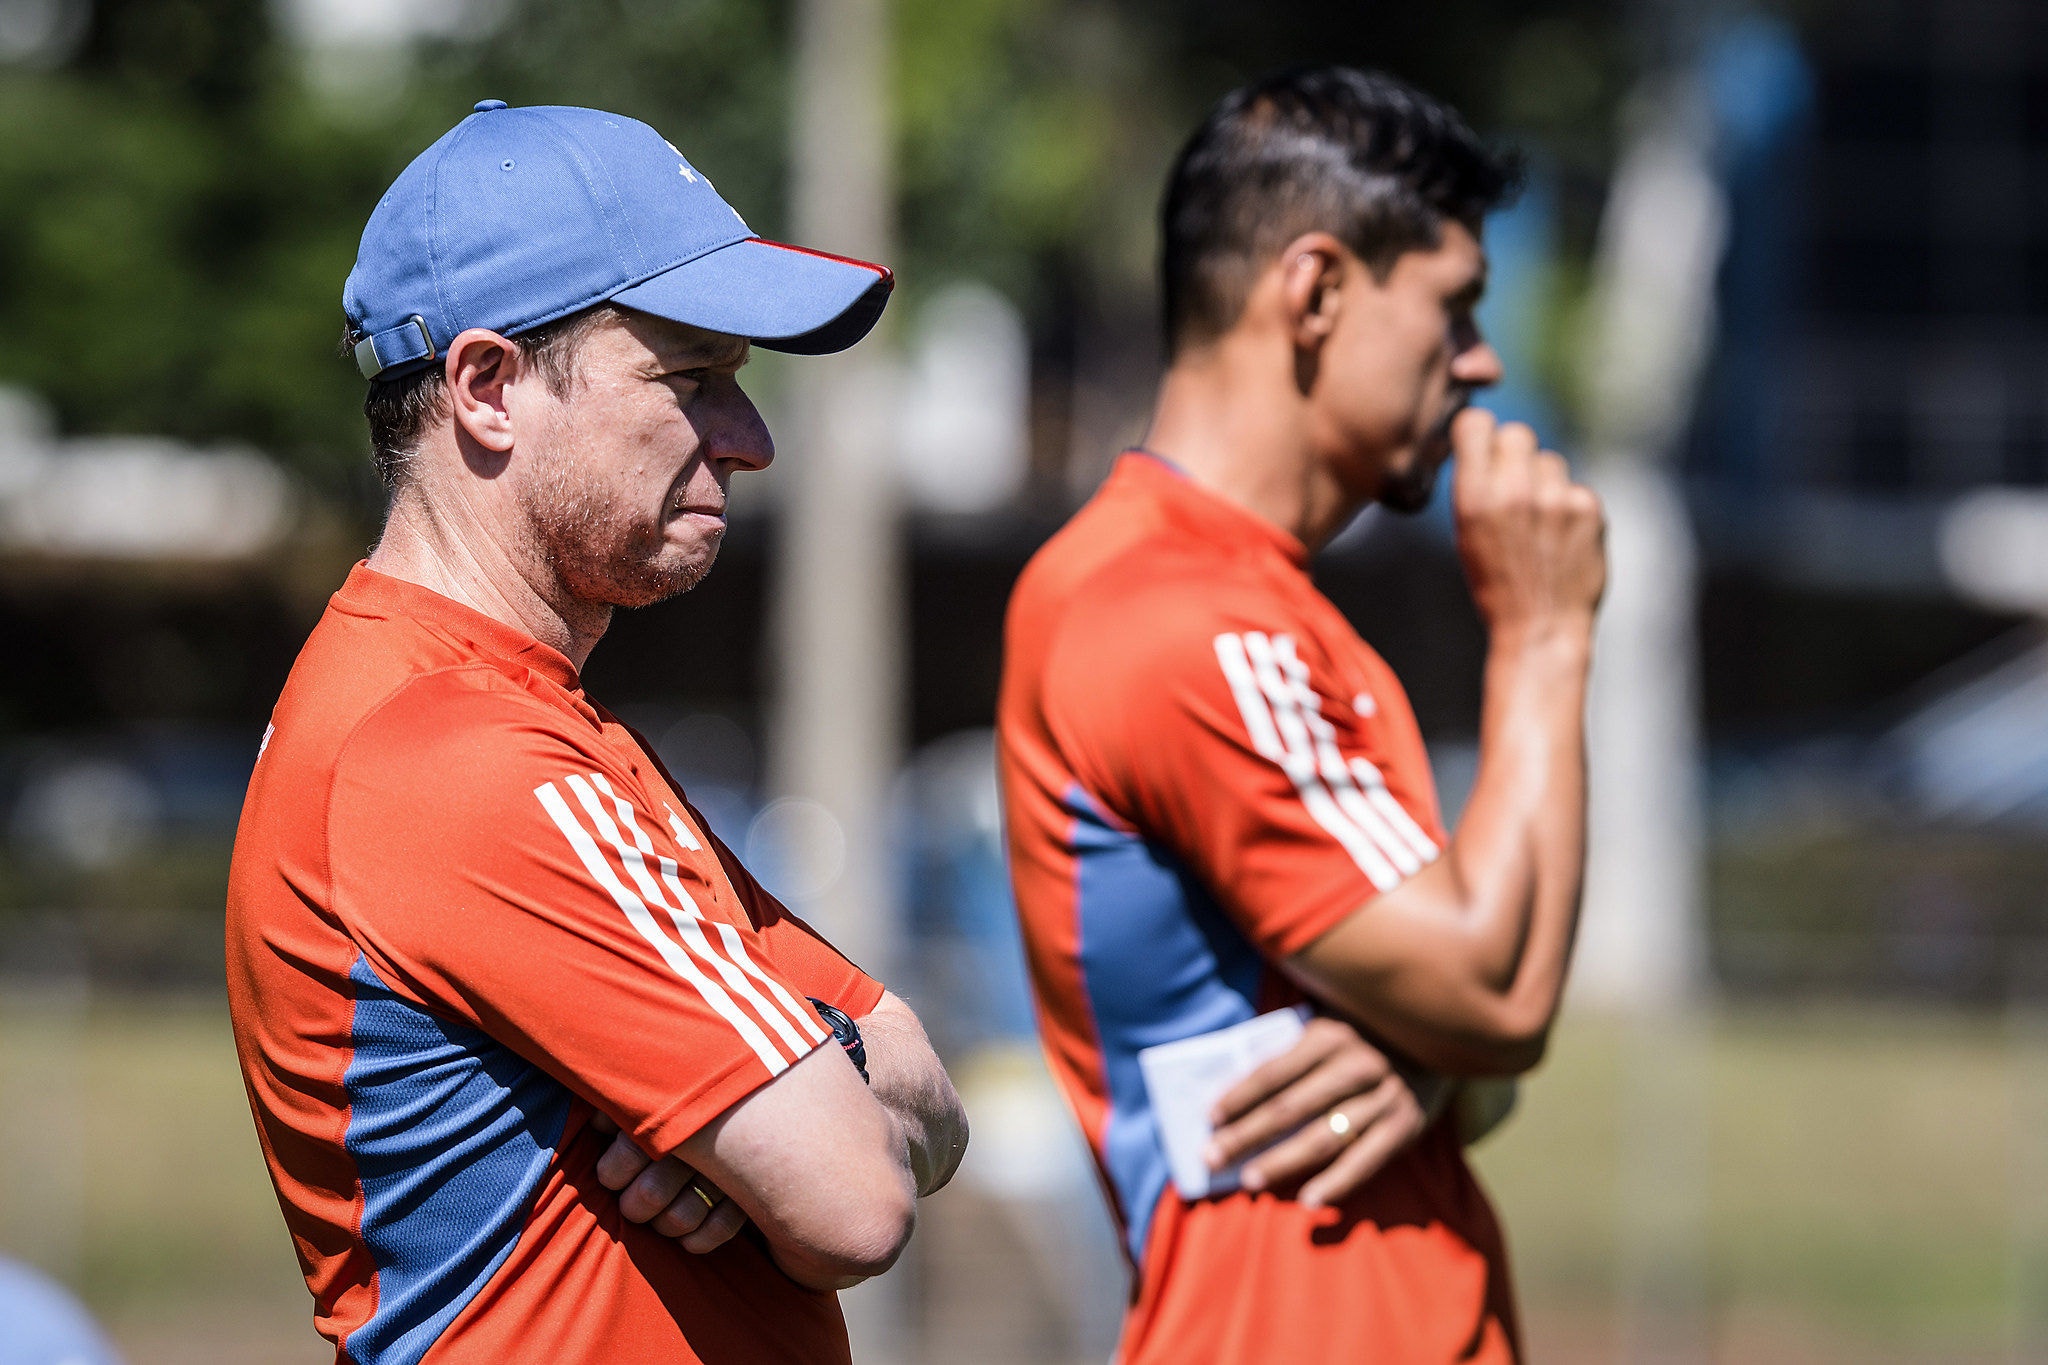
[(698, 1190), (1339, 1123)]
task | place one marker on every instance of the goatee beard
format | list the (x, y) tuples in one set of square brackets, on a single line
[(1410, 492)]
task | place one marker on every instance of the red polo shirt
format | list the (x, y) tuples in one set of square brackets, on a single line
[(1204, 768), (468, 910)]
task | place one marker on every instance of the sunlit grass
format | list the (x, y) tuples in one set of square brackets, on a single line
[(1868, 1181), (134, 1174), (1866, 1178)]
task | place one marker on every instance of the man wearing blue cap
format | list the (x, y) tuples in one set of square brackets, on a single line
[(539, 1070)]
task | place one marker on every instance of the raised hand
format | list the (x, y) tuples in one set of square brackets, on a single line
[(1533, 541)]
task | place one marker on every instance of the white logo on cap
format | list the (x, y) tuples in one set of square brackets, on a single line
[(684, 167)]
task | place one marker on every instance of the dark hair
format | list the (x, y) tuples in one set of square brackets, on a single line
[(400, 410), (1356, 153)]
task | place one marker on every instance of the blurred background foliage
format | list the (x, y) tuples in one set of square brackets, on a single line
[(181, 187)]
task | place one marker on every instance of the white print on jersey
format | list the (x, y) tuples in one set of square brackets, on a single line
[(735, 967), (682, 831), (1283, 714)]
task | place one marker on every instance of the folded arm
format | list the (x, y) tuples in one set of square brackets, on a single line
[(909, 1081), (826, 1167), (819, 1166)]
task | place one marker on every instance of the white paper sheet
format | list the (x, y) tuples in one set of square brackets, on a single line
[(1184, 1079)]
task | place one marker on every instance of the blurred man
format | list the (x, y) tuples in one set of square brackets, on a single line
[(1218, 800), (473, 925)]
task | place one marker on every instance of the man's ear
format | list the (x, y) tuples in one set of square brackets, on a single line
[(480, 366), (1312, 269)]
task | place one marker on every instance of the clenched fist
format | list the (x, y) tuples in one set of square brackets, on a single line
[(1533, 542)]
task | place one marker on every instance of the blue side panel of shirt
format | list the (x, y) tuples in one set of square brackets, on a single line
[(452, 1134), (1160, 962)]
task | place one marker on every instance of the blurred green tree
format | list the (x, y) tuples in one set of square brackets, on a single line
[(179, 202), (709, 73), (175, 222)]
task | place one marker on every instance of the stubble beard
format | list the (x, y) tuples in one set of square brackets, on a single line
[(595, 558)]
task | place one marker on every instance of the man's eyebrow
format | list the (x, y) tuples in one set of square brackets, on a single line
[(732, 353)]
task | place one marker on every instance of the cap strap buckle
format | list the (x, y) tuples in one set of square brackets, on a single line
[(408, 341)]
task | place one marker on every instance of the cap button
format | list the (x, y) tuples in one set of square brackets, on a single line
[(485, 106)]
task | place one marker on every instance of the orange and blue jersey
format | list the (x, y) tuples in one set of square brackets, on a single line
[(1204, 769), (467, 912)]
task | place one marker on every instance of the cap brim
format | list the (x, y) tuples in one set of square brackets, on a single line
[(781, 297)]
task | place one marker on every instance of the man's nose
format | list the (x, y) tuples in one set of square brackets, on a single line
[(739, 438), (1477, 366)]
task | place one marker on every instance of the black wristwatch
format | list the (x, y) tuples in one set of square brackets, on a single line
[(846, 1031)]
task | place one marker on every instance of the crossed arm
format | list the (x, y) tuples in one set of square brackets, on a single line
[(1460, 968), (827, 1168)]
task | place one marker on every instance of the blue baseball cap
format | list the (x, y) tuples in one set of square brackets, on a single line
[(517, 217)]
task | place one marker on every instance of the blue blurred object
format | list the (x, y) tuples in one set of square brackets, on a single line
[(1521, 243), (41, 1324), (961, 913), (1759, 85), (1760, 94)]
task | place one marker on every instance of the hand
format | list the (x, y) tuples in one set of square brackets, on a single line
[(664, 1194), (1532, 540), (1331, 1070)]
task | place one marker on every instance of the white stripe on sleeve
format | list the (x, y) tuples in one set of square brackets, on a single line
[(806, 1019), (1251, 703), (1300, 764), (682, 831), (637, 914), (1374, 784), (689, 927), (690, 922), (1368, 815)]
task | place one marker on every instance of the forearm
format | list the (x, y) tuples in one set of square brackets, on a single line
[(1519, 852), (1460, 967), (819, 1166), (867, 1233), (909, 1081), (829, 1169)]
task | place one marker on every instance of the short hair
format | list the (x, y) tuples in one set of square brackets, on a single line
[(400, 410), (1358, 154)]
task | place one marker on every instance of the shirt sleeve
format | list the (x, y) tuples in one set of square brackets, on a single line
[(1217, 729), (500, 870), (814, 966)]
